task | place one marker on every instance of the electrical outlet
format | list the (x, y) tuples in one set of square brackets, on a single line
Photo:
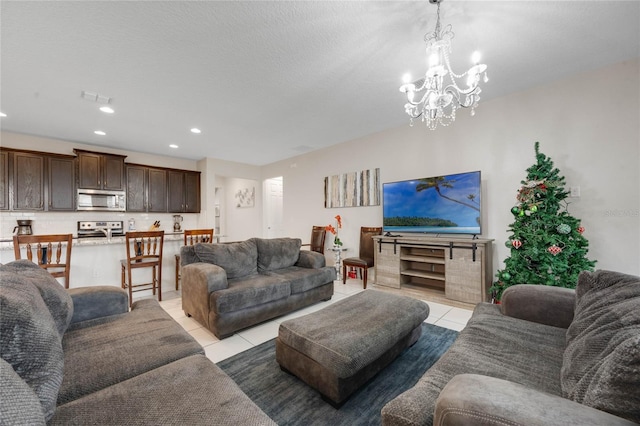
[(575, 191)]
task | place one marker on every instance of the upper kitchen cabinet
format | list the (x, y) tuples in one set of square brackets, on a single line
[(184, 191), (28, 181), (136, 188), (100, 171), (61, 183), (146, 189), (157, 190), (4, 181), (34, 180)]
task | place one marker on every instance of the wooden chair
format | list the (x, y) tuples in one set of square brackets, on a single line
[(318, 234), (365, 259), (191, 237), (144, 250), (44, 246)]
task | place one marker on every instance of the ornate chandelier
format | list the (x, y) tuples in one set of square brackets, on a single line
[(440, 100)]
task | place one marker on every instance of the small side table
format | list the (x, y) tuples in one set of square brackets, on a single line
[(337, 256)]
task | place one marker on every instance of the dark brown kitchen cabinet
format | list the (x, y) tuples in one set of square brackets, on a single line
[(146, 189), (100, 171), (61, 184), (184, 192), (157, 190), (192, 192), (136, 188), (28, 181), (4, 181)]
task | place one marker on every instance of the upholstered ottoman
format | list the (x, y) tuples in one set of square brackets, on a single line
[(339, 348)]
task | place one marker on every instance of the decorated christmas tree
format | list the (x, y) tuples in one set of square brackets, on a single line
[(547, 243)]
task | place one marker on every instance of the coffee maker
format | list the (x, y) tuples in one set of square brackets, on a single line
[(23, 228)]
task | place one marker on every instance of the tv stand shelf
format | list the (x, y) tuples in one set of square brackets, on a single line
[(459, 267)]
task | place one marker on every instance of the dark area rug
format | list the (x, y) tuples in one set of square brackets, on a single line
[(289, 401)]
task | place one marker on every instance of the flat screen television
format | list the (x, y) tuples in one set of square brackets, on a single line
[(448, 204)]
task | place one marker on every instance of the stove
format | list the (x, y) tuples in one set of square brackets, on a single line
[(93, 229)]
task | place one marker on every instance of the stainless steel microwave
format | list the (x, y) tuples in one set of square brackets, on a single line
[(99, 200)]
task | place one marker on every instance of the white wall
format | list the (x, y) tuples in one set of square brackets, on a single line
[(589, 125)]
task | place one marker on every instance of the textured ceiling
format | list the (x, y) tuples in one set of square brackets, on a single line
[(268, 80)]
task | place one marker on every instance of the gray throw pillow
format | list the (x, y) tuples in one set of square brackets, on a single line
[(54, 295), (601, 363), (29, 338), (238, 259), (277, 253)]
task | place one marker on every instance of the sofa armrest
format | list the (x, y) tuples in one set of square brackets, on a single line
[(206, 275), (97, 302), (543, 304), (311, 260), (472, 399)]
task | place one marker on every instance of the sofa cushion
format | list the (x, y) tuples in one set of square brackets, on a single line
[(54, 295), (304, 279), (119, 347), (277, 253), (493, 345), (238, 259), (601, 364), (249, 291), (189, 391), (29, 337)]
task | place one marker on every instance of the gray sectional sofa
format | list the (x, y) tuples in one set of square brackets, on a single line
[(545, 356), (79, 357), (231, 286)]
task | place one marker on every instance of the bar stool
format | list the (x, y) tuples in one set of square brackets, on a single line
[(191, 237), (144, 250), (44, 249)]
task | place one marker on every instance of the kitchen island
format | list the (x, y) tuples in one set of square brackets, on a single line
[(96, 261)]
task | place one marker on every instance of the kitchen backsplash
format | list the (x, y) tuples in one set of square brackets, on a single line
[(67, 223)]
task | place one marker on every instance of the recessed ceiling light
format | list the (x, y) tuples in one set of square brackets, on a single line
[(2, 114), (107, 109), (196, 130), (100, 132), (174, 146)]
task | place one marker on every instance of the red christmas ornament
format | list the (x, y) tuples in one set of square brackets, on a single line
[(516, 244), (581, 229), (554, 250)]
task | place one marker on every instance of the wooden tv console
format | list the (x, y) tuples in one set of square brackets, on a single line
[(462, 268)]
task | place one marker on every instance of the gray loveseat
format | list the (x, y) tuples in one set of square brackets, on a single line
[(231, 286), (78, 357), (545, 356)]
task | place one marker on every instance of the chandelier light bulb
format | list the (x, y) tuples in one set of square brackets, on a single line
[(406, 78), (436, 98)]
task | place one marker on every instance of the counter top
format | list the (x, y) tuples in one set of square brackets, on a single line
[(7, 244)]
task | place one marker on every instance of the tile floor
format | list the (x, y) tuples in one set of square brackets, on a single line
[(217, 350)]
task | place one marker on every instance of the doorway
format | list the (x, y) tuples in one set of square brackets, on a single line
[(273, 210)]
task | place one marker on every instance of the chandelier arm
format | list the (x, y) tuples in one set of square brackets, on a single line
[(414, 103), (451, 88), (469, 98)]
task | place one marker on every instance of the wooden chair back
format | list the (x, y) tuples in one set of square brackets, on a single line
[(367, 245), (193, 236), (318, 235), (144, 247), (51, 252)]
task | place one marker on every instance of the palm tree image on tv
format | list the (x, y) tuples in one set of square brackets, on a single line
[(440, 204)]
